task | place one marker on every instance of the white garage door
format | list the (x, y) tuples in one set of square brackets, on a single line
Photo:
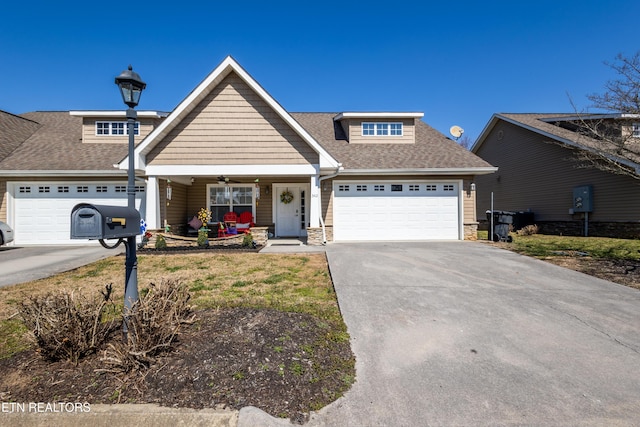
[(396, 210), (42, 210)]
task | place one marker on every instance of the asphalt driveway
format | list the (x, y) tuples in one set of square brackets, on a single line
[(461, 333), (20, 264)]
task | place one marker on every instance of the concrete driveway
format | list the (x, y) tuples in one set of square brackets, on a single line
[(20, 264), (461, 333)]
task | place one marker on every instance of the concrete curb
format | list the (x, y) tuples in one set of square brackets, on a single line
[(121, 415)]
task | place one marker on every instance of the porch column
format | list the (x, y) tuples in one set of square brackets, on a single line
[(314, 205), (153, 203)]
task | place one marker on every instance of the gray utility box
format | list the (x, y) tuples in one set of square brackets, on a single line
[(103, 222)]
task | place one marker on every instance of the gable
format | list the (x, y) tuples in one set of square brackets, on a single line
[(232, 125)]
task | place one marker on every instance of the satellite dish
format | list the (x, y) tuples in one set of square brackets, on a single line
[(456, 131)]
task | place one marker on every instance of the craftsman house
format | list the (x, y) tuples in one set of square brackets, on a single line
[(229, 146), (538, 173)]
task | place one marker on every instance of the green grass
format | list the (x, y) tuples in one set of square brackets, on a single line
[(290, 283), (542, 246)]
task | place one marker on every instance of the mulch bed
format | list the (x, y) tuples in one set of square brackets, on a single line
[(284, 363)]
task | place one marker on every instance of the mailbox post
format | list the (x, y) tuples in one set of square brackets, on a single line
[(131, 87)]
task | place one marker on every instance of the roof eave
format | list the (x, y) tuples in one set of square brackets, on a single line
[(62, 173), (422, 171)]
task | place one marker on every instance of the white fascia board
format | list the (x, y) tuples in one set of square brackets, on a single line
[(204, 88), (145, 114), (421, 171), (378, 115), (232, 170)]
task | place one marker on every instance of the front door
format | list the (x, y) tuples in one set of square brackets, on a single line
[(290, 210)]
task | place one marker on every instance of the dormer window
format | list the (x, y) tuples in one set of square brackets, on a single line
[(116, 128), (381, 128)]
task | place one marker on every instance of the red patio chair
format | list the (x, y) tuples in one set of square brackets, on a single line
[(246, 218)]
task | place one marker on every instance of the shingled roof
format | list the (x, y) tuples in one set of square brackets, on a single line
[(14, 130), (546, 124), (56, 145), (431, 150)]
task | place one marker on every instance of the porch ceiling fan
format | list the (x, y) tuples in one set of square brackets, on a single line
[(225, 180)]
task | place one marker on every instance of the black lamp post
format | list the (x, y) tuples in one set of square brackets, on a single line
[(131, 87)]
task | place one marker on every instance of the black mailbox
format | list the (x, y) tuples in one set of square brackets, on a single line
[(104, 222)]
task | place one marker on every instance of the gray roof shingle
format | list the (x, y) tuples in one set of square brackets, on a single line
[(14, 130), (430, 150), (57, 146)]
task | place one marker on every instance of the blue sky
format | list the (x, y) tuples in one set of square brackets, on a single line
[(457, 61)]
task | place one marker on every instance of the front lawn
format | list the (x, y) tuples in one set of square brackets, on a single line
[(268, 333)]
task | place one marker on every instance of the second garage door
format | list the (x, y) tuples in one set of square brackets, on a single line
[(369, 210)]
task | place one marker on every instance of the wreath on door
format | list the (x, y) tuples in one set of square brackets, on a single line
[(286, 197)]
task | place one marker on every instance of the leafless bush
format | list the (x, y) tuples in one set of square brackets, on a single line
[(153, 325), (528, 230), (68, 325)]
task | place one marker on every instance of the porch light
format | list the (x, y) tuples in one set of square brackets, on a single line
[(131, 86)]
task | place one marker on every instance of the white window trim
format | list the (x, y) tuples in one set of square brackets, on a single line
[(110, 129), (382, 126), (231, 186), (635, 130)]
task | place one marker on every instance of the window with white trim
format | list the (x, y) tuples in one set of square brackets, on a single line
[(121, 188), (82, 189), (382, 128), (414, 187), (63, 189), (44, 189), (448, 187), (431, 187), (343, 187), (101, 189), (361, 187), (378, 187), (635, 130), (25, 190), (230, 198), (116, 128)]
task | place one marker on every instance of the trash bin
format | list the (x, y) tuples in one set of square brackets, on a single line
[(502, 220), (522, 219)]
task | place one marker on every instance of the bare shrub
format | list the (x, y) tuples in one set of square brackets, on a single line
[(66, 324), (528, 230), (153, 325)]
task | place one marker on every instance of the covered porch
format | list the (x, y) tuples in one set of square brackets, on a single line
[(287, 206)]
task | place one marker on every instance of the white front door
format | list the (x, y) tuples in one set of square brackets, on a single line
[(290, 217)]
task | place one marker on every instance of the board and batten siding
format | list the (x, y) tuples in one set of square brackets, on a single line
[(538, 175), (232, 125)]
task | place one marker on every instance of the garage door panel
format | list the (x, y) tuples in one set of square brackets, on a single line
[(45, 217), (425, 212)]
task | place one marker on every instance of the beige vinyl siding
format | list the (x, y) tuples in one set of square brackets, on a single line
[(89, 130), (538, 175), (355, 131), (174, 210), (3, 201), (232, 125)]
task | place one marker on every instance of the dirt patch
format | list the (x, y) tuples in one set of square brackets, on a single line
[(623, 272), (287, 364)]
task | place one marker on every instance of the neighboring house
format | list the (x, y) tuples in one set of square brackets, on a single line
[(537, 172), (230, 146)]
